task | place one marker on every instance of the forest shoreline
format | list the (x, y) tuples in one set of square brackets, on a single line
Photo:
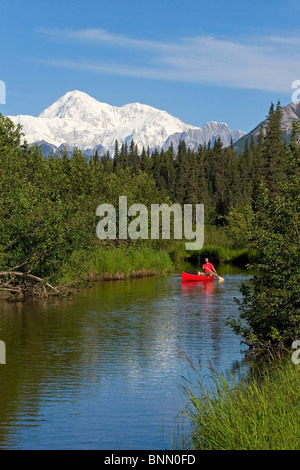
[(114, 264)]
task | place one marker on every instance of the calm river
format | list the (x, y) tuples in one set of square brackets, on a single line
[(104, 370)]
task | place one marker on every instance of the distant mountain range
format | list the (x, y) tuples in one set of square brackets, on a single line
[(290, 113), (78, 120)]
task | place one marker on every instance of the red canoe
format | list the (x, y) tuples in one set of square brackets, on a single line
[(194, 277)]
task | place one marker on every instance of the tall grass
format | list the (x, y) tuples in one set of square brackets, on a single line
[(115, 263), (261, 414), (129, 262)]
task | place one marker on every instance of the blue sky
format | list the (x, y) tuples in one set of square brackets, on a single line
[(198, 60)]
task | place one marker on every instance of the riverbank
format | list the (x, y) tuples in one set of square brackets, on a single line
[(262, 413), (85, 267), (115, 263)]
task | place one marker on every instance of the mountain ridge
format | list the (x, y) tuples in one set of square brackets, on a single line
[(78, 120), (290, 113)]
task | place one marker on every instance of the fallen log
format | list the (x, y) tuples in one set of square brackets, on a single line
[(29, 276)]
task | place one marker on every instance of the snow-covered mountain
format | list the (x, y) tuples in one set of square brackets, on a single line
[(78, 120)]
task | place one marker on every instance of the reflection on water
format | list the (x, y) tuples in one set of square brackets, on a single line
[(103, 370)]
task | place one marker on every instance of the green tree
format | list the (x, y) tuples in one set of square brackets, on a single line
[(182, 181), (270, 307), (274, 149)]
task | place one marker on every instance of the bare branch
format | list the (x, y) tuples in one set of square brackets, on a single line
[(30, 276)]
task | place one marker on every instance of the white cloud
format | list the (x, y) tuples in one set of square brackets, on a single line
[(266, 63)]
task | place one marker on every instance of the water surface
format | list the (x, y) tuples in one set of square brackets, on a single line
[(103, 371)]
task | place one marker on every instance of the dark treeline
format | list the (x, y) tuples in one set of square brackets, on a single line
[(212, 175)]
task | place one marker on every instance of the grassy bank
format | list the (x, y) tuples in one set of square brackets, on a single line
[(85, 266), (216, 254), (261, 414), (219, 246), (221, 254), (115, 264)]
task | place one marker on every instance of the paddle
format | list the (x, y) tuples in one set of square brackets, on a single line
[(215, 274)]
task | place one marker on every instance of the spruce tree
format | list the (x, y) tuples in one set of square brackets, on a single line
[(181, 173), (274, 150)]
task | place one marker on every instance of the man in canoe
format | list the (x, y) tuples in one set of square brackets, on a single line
[(209, 268)]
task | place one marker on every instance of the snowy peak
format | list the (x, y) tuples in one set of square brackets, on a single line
[(78, 120), (79, 106)]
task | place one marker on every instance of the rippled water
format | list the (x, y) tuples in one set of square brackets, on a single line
[(103, 371)]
